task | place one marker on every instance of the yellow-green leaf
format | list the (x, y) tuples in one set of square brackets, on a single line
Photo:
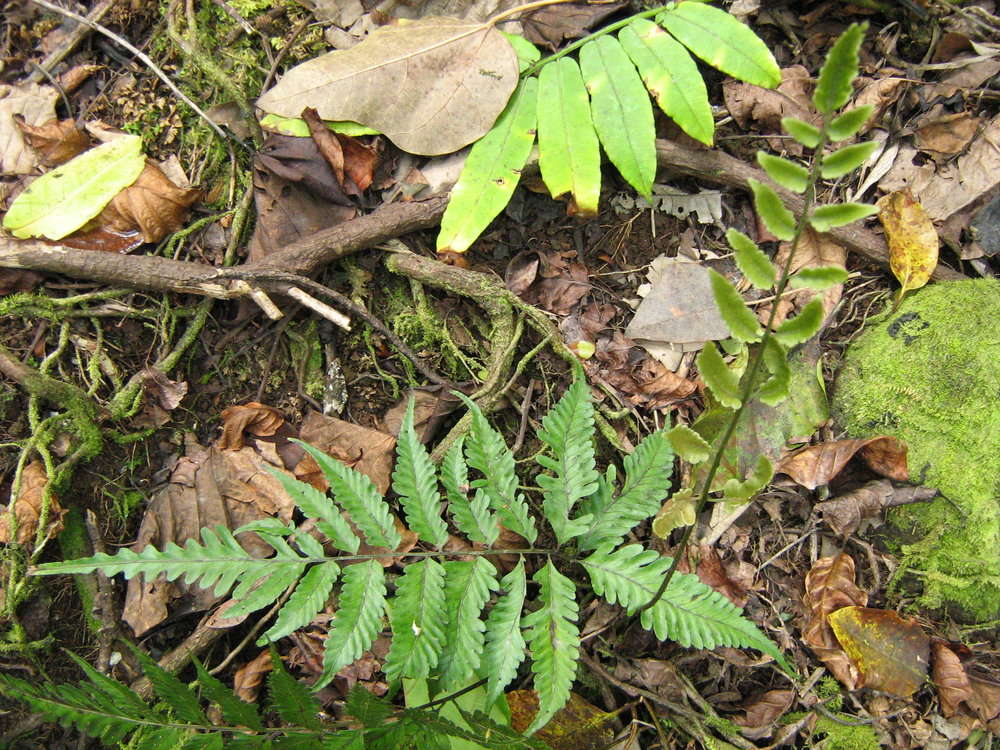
[(723, 383), (676, 512), (912, 239), (751, 260), (738, 317), (63, 200), (688, 444)]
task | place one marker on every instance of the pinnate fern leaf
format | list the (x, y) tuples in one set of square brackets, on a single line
[(504, 650), (235, 711), (472, 517), (358, 619), (182, 700), (647, 481), (306, 601), (290, 699), (689, 612), (568, 431), (414, 479), (417, 624), (360, 498), (554, 639), (316, 504), (467, 589)]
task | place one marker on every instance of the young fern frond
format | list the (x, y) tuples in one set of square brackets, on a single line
[(358, 620), (467, 589), (415, 481), (505, 644), (418, 635)]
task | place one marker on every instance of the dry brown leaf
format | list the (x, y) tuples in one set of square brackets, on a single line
[(949, 676), (431, 404), (72, 79), (816, 465), (985, 699), (829, 586), (890, 652), (152, 205), (554, 281), (103, 240), (844, 514), (749, 104), (815, 250), (912, 239), (55, 141), (37, 105), (255, 418), (579, 725), (711, 572), (27, 507), (555, 24), (762, 713), (249, 677), (880, 94), (18, 280), (946, 134), (167, 392), (369, 451)]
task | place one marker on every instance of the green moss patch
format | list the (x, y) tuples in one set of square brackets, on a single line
[(929, 374)]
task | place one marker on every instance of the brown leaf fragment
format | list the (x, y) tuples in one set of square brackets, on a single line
[(326, 142), (102, 240), (72, 79), (55, 141), (249, 677), (369, 451), (27, 507), (912, 239), (712, 573), (255, 418), (815, 250), (579, 725), (830, 586), (949, 676), (18, 280), (985, 699), (749, 104), (555, 24), (762, 713), (152, 205), (947, 134), (557, 283), (37, 105), (167, 392), (816, 465), (891, 653), (430, 406)]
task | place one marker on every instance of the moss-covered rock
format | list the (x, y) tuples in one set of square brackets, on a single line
[(929, 374)]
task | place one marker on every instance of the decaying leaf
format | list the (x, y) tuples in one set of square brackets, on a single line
[(152, 205), (679, 308), (912, 239), (554, 281), (431, 86), (890, 653), (750, 104), (947, 134), (844, 513), (36, 104), (816, 465), (249, 677), (815, 250), (949, 676), (762, 713), (166, 391), (552, 25), (257, 419), (830, 586), (55, 141), (579, 725), (369, 451), (27, 508)]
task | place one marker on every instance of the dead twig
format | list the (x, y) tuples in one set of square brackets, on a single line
[(73, 38)]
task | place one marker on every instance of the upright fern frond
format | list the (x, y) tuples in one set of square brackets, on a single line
[(417, 624), (308, 598), (415, 481), (316, 504), (467, 589), (486, 452), (689, 612), (504, 643), (360, 498), (358, 619), (472, 517), (647, 481), (554, 639), (568, 432)]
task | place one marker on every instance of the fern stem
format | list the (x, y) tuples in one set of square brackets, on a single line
[(753, 368)]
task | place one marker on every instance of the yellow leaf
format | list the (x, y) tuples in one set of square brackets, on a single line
[(912, 239)]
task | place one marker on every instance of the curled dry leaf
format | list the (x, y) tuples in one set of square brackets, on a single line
[(912, 239), (255, 418), (152, 205), (352, 162), (891, 653), (844, 513), (816, 465), (37, 105), (949, 676), (249, 677), (830, 586), (762, 713), (55, 141), (27, 507), (167, 392)]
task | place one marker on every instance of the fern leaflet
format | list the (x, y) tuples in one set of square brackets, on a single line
[(309, 598), (415, 481), (467, 589), (473, 518), (417, 625), (360, 498), (171, 690), (504, 650), (290, 699), (316, 504), (689, 612), (235, 711), (358, 619), (567, 430), (647, 481), (555, 642)]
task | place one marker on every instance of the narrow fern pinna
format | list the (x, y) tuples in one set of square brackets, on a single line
[(453, 620)]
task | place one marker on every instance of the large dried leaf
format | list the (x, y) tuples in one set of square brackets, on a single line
[(61, 201), (432, 86), (818, 464), (949, 676), (36, 104), (369, 451), (152, 205), (830, 586), (844, 513), (762, 713), (27, 507), (891, 653), (55, 141), (912, 239)]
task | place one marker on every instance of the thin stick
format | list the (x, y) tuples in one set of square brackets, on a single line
[(320, 308), (141, 55)]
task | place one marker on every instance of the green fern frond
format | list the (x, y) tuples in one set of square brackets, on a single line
[(482, 731), (647, 481), (360, 498), (472, 517), (554, 639), (504, 649), (169, 689), (467, 589), (689, 612), (415, 613), (305, 603), (414, 479), (317, 505), (291, 700), (486, 452), (358, 619), (235, 711), (568, 432), (367, 708)]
